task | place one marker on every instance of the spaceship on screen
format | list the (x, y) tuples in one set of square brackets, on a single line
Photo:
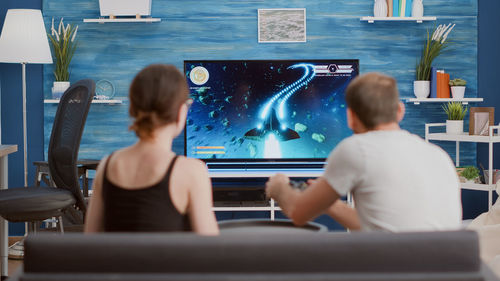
[(272, 125)]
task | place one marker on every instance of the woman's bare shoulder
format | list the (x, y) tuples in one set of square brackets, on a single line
[(192, 165)]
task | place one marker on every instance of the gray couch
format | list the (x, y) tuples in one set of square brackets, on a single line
[(187, 257)]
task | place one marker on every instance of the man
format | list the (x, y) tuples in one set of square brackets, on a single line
[(398, 181)]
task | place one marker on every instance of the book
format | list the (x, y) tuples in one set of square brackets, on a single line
[(433, 83), (402, 9), (389, 8), (408, 8), (439, 82), (395, 8), (446, 85)]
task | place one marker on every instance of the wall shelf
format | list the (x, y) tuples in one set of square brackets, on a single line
[(415, 19), (417, 101), (108, 20), (53, 101)]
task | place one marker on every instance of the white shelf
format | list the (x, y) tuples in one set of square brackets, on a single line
[(263, 173), (463, 101), (93, 101), (480, 187), (108, 20), (465, 137), (415, 19)]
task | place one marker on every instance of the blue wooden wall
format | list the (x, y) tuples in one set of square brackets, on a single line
[(227, 29)]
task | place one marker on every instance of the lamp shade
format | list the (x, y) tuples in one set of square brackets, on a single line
[(23, 38)]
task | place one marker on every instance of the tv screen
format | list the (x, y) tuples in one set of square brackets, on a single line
[(279, 110)]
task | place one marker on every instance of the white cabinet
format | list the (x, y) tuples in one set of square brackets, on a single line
[(492, 138)]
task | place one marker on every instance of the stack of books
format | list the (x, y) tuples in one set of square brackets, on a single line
[(440, 87), (399, 8)]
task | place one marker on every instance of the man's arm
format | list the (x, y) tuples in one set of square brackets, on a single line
[(345, 215), (301, 207), (318, 198)]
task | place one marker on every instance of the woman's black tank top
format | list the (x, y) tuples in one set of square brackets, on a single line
[(141, 210)]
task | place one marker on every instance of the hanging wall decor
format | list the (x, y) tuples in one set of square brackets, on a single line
[(282, 25)]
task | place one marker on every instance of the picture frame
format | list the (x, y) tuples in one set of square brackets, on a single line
[(286, 25), (480, 120)]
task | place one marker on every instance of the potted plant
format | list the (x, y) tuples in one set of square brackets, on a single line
[(470, 174), (456, 112), (63, 47), (433, 47), (458, 88)]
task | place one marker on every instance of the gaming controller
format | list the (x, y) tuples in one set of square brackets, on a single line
[(300, 185)]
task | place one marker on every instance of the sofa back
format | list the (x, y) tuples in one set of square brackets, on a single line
[(322, 256)]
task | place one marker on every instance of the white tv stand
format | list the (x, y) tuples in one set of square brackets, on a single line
[(261, 173)]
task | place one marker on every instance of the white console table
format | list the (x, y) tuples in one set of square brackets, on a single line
[(260, 173)]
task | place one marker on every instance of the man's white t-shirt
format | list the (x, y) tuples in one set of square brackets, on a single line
[(399, 182)]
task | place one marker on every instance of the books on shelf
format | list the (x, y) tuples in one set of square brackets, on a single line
[(433, 83), (408, 8), (395, 8), (442, 87), (399, 8), (439, 87)]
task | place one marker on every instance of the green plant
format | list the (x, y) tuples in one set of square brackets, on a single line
[(470, 172), (433, 47), (64, 46), (458, 82), (455, 110)]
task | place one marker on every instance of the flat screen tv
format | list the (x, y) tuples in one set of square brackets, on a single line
[(266, 110)]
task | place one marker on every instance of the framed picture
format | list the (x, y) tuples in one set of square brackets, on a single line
[(481, 118), (282, 25)]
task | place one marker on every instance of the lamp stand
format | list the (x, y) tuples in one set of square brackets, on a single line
[(25, 132)]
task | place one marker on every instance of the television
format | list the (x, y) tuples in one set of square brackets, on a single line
[(266, 110)]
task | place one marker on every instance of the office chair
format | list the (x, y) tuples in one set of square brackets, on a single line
[(34, 204)]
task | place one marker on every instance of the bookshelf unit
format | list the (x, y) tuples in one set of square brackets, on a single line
[(490, 139)]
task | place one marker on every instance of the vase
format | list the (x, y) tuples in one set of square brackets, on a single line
[(380, 8), (58, 88), (417, 9), (454, 127), (458, 92), (421, 89), (125, 7)]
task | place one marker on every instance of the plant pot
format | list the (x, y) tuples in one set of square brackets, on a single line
[(475, 180), (58, 88), (458, 92), (421, 89), (125, 7), (454, 127)]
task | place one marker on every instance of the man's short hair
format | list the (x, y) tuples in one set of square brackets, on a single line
[(374, 98)]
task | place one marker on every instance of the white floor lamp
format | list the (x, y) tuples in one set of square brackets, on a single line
[(24, 40)]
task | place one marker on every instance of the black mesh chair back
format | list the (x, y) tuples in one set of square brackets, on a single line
[(66, 134)]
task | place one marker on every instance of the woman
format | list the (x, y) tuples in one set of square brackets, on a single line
[(146, 187)]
